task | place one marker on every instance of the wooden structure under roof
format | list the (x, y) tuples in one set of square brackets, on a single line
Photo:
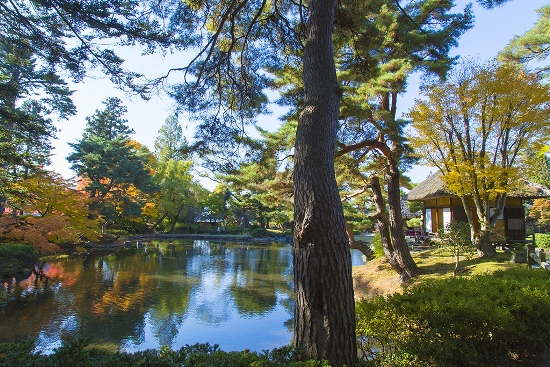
[(440, 206)]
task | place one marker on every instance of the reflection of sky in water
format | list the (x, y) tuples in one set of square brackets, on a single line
[(237, 296), (50, 338), (357, 258), (234, 333)]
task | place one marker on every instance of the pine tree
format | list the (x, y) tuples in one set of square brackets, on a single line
[(533, 44), (29, 97), (111, 163)]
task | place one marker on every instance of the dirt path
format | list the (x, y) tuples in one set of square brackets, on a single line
[(375, 278)]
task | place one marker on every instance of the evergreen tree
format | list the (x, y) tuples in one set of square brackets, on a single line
[(380, 44), (533, 44), (112, 164), (29, 95)]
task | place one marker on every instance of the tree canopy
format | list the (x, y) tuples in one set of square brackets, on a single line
[(533, 44), (170, 142), (111, 164), (30, 94), (474, 127)]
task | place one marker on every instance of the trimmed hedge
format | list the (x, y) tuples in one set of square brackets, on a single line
[(260, 232), (484, 320)]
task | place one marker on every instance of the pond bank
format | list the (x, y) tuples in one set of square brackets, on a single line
[(210, 237)]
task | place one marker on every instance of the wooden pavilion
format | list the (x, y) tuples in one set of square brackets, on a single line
[(441, 206)]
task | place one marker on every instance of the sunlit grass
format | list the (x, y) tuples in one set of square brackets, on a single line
[(377, 276)]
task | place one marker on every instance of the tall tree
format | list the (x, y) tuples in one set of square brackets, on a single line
[(226, 91), (170, 142), (112, 163), (30, 94), (379, 45), (474, 128)]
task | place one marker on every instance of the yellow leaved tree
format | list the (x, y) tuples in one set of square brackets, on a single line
[(48, 196), (473, 128)]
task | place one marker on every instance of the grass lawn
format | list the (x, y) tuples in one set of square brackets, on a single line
[(377, 277)]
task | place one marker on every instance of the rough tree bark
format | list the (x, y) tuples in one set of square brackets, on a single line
[(399, 243), (398, 257), (325, 311), (395, 246)]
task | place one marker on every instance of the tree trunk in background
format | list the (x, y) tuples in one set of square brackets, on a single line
[(358, 245), (400, 246), (156, 224), (483, 243), (175, 220), (394, 254), (324, 314)]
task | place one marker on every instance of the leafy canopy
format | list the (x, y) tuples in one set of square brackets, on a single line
[(475, 126)]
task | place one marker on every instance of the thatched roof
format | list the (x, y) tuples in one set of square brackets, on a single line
[(433, 187)]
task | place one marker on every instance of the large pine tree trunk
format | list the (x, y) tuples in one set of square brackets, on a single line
[(325, 311)]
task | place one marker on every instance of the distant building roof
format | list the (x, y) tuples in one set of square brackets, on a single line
[(433, 187)]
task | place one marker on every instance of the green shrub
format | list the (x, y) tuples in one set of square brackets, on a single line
[(459, 322), (414, 223), (77, 353), (14, 259), (542, 240), (260, 232)]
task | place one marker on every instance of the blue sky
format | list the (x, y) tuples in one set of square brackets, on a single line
[(492, 31)]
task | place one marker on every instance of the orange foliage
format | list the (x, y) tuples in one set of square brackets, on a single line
[(41, 232), (122, 296), (541, 211)]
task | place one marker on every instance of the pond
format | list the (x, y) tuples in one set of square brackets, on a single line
[(237, 295)]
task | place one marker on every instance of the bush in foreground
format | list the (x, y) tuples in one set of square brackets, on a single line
[(484, 320), (77, 353)]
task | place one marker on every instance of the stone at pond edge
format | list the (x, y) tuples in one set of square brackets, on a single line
[(519, 258)]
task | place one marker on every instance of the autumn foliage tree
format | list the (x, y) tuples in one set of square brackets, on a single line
[(116, 169), (540, 211), (53, 213), (474, 127)]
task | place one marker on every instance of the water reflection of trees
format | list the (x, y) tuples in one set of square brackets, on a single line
[(259, 275), (116, 297)]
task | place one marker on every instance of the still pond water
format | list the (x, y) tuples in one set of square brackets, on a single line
[(237, 295)]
